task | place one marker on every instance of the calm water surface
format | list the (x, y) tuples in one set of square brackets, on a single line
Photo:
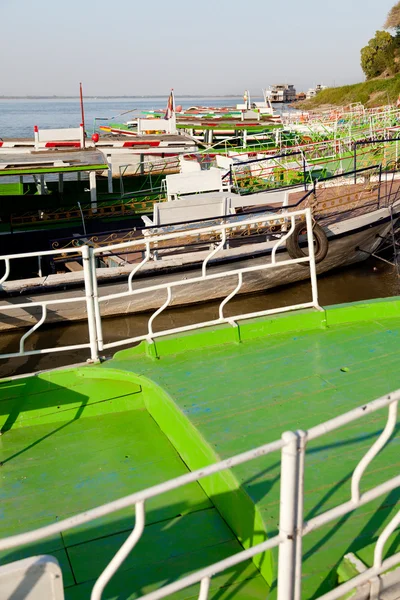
[(17, 117)]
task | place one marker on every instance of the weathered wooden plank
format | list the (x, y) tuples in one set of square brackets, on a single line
[(242, 582), (160, 542)]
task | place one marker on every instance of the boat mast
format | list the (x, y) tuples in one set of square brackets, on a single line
[(82, 112)]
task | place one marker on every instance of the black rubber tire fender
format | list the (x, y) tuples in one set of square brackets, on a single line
[(321, 243)]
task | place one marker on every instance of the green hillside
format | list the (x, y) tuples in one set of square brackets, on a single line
[(374, 92)]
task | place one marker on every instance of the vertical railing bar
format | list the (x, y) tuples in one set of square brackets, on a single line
[(32, 329), (214, 252), (231, 295), (373, 451), (122, 553), (96, 304), (139, 266), (300, 514), (159, 311), (7, 270), (204, 588), (282, 239), (383, 538), (311, 254), (88, 278), (288, 516)]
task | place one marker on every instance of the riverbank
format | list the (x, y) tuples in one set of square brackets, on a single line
[(376, 92)]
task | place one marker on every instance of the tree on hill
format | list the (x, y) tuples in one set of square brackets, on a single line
[(379, 55), (393, 19)]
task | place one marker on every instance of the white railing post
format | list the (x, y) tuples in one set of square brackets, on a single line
[(204, 588), (300, 514), (288, 516), (96, 304), (311, 253), (88, 278), (109, 174)]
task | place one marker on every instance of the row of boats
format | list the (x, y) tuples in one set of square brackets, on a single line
[(160, 472), (63, 191)]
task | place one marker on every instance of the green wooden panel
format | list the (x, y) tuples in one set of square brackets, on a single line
[(11, 189), (91, 461), (30, 401), (239, 582), (159, 543), (380, 308)]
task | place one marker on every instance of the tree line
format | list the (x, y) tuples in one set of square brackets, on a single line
[(381, 56)]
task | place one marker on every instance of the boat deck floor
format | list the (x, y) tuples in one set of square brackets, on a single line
[(73, 439), (96, 459), (239, 396)]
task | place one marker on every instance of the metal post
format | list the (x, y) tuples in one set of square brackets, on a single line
[(93, 191), (288, 516), (313, 270), (88, 278), (99, 330), (83, 218), (82, 113), (355, 161), (40, 274), (109, 174), (379, 186), (60, 183), (300, 515), (42, 185), (304, 173)]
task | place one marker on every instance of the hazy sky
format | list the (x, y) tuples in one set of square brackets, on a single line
[(197, 47)]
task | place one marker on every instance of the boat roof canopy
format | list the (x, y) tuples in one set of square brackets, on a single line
[(65, 161)]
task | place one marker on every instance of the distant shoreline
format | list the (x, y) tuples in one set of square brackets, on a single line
[(116, 97)]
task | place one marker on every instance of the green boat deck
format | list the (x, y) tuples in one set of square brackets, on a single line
[(73, 439)]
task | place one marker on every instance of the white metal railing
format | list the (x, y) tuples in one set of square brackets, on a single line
[(223, 230), (88, 299), (292, 527), (149, 245)]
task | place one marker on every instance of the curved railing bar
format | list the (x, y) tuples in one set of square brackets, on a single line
[(213, 253), (158, 312), (122, 553), (383, 538), (200, 231), (32, 329), (7, 270), (373, 451), (283, 239), (139, 266), (204, 588), (231, 295)]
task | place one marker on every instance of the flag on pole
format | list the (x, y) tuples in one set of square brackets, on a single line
[(170, 106)]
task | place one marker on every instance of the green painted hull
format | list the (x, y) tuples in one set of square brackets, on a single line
[(75, 438)]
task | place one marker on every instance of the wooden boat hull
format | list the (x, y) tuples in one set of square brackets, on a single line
[(347, 245)]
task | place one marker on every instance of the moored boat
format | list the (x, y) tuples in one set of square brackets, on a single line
[(352, 220)]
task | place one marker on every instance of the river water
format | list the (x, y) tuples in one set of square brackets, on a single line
[(370, 279), (18, 117)]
